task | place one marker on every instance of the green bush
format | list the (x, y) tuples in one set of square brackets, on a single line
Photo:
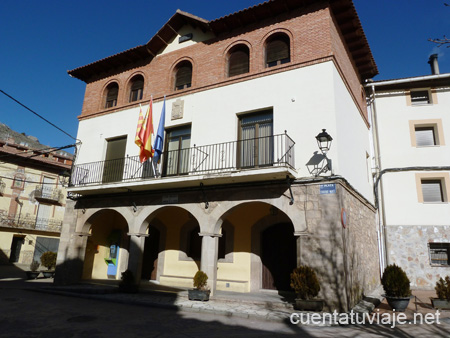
[(48, 259), (128, 282), (305, 282), (443, 288), (200, 280), (34, 265), (395, 282)]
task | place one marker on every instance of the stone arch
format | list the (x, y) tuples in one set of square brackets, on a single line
[(107, 247)]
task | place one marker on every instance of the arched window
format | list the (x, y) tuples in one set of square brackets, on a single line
[(277, 50), (136, 88), (183, 75), (238, 60), (111, 95)]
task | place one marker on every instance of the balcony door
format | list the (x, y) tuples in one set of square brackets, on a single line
[(114, 159), (178, 144), (256, 140)]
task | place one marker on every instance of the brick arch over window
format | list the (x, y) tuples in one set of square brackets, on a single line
[(136, 88), (110, 95), (183, 75), (238, 58), (277, 49)]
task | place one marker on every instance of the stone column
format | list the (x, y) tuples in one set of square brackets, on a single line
[(210, 248), (135, 254), (71, 250)]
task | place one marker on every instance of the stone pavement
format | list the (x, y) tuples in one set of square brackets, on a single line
[(267, 306)]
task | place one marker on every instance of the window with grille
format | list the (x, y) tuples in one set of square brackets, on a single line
[(439, 253), (238, 61), (183, 75), (420, 97), (111, 95), (277, 50), (432, 191), (425, 136), (137, 88)]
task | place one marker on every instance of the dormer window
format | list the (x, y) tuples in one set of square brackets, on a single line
[(277, 50), (136, 88), (112, 92), (183, 75), (238, 60)]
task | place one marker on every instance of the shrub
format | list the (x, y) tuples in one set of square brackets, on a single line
[(34, 265), (305, 282), (443, 288), (128, 283), (395, 282), (200, 280), (48, 259)]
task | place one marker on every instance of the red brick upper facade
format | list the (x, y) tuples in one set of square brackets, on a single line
[(318, 32)]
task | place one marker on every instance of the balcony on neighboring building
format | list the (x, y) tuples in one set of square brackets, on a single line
[(2, 187), (49, 195), (255, 159), (30, 222)]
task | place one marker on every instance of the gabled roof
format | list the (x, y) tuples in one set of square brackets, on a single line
[(344, 11)]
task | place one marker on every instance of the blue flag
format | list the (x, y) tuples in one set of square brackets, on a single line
[(159, 140)]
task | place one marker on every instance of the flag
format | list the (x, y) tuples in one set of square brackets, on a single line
[(137, 140), (159, 140), (145, 135)]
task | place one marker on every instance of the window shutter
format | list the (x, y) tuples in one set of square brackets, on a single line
[(432, 191), (277, 50), (425, 136), (238, 63), (184, 76)]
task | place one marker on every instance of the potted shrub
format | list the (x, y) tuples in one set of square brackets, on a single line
[(201, 290), (306, 285), (48, 259), (396, 287), (128, 283), (33, 273), (442, 302)]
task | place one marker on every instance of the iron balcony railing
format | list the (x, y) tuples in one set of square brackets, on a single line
[(255, 153), (49, 194), (29, 222), (2, 187)]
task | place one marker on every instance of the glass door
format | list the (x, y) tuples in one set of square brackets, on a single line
[(256, 140), (177, 152)]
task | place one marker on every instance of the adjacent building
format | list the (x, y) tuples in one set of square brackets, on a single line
[(411, 134), (241, 190), (32, 198)]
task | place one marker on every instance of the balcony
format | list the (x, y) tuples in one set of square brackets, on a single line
[(270, 157), (49, 195), (32, 223)]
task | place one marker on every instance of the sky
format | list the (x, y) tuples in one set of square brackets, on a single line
[(41, 40)]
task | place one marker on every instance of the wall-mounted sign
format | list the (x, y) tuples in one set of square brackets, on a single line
[(329, 188), (167, 199)]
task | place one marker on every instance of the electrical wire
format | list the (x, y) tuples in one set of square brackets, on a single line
[(43, 118), (41, 151)]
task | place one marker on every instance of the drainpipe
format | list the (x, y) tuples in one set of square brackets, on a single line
[(382, 241)]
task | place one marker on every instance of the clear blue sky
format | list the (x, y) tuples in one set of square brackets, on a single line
[(41, 40)]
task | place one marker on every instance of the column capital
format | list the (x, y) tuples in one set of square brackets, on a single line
[(210, 234), (137, 234)]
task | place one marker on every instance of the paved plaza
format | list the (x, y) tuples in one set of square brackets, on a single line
[(37, 309)]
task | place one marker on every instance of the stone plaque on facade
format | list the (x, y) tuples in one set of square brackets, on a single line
[(177, 109)]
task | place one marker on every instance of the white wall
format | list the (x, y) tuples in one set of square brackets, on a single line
[(304, 101), (402, 206)]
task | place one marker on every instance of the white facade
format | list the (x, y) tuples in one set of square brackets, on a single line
[(213, 116), (414, 226)]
